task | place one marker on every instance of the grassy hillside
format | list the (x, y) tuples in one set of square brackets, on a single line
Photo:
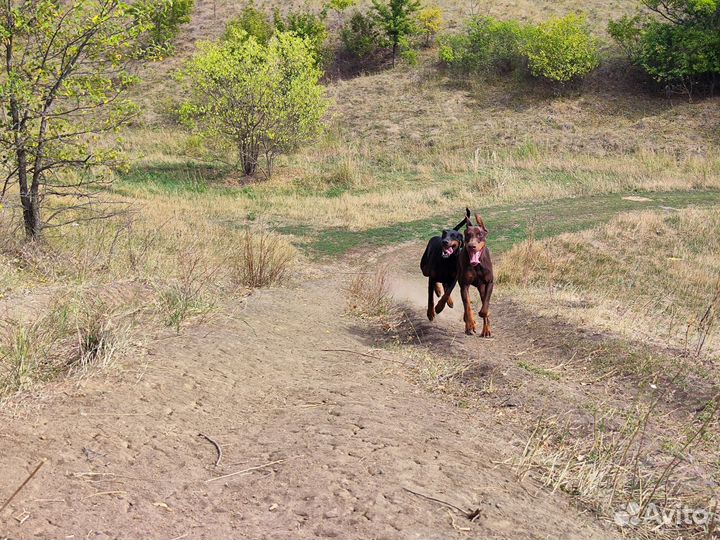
[(602, 201), (405, 150)]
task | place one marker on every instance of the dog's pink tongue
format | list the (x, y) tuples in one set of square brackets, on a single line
[(447, 251), (475, 258)]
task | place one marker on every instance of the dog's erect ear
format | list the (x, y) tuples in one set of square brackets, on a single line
[(480, 222)]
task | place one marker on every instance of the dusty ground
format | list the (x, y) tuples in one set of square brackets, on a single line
[(330, 441)]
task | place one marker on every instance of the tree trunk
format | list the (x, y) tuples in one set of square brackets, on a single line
[(249, 154), (29, 199), (31, 216)]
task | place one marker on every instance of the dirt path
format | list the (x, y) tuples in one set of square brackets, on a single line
[(334, 438)]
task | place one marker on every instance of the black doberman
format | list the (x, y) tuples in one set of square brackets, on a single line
[(440, 265)]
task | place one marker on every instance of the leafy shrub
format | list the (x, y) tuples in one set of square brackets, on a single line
[(252, 22), (430, 21), (309, 26), (561, 49), (361, 35), (255, 100), (487, 44), (164, 18), (306, 25), (681, 48), (339, 5)]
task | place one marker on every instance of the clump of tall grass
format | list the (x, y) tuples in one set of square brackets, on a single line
[(260, 259), (369, 294), (75, 334)]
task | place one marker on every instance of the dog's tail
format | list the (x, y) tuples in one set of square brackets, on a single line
[(465, 221)]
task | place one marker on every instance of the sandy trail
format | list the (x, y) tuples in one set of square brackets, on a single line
[(336, 437)]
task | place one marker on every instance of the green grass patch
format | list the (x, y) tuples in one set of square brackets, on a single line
[(174, 179), (531, 368), (508, 224)]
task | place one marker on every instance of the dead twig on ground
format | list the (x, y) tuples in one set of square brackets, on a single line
[(217, 447), (352, 352), (248, 470), (472, 515), (105, 493), (32, 474), (362, 354)]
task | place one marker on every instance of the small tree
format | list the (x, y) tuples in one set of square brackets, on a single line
[(255, 101), (397, 20), (430, 20), (62, 81)]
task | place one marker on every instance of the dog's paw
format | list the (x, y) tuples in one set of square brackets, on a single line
[(431, 314), (486, 328), (450, 303), (440, 306)]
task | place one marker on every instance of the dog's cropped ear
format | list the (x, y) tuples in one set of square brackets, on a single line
[(480, 222)]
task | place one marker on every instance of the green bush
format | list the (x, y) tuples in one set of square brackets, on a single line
[(561, 49), (309, 26), (558, 50), (253, 101), (164, 18), (305, 25), (250, 22), (361, 36), (679, 49), (486, 45)]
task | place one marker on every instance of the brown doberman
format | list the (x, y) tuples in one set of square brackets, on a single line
[(475, 268)]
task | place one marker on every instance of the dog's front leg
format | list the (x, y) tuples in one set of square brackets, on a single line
[(468, 315), (445, 299), (485, 294)]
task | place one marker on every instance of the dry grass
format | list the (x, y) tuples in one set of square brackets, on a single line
[(369, 295), (79, 333), (635, 456), (168, 258), (650, 275), (357, 186)]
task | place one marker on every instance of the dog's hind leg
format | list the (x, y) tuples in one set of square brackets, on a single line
[(438, 290), (431, 299)]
